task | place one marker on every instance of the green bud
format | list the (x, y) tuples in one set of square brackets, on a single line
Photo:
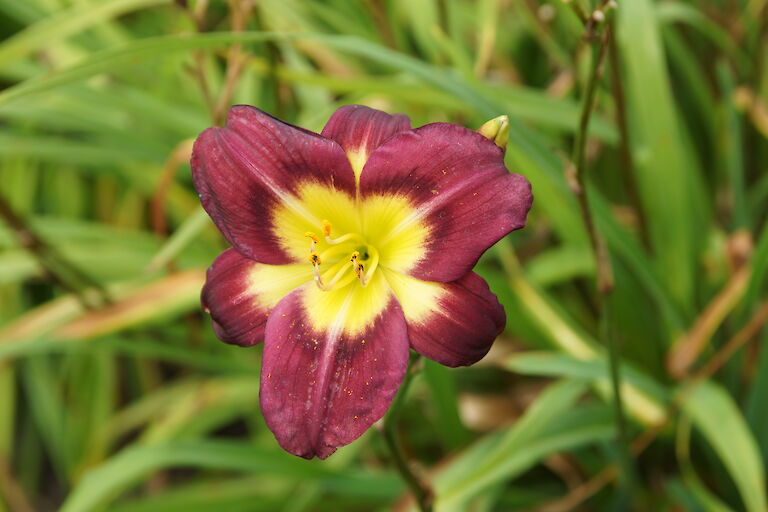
[(497, 130)]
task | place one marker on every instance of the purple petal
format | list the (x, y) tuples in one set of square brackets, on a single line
[(456, 180), (239, 294), (237, 319), (245, 169), (462, 326), (321, 389), (360, 130)]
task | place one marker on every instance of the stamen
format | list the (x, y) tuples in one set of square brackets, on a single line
[(314, 239), (340, 268), (318, 279), (315, 259), (344, 238), (360, 268), (360, 272)]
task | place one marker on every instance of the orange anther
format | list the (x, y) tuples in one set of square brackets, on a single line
[(326, 228)]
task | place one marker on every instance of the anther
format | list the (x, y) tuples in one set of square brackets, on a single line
[(314, 258), (358, 267), (343, 238), (360, 273), (314, 239)]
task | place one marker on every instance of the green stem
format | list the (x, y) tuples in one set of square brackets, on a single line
[(422, 493), (605, 280), (604, 271)]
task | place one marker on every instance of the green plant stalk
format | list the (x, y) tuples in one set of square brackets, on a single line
[(605, 280), (422, 493)]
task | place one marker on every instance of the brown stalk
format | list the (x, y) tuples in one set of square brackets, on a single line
[(181, 153), (12, 491), (687, 349), (740, 339), (746, 100), (198, 68), (240, 10)]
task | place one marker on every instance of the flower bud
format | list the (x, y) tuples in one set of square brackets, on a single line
[(497, 130)]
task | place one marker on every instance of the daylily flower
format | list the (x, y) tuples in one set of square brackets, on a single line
[(350, 248)]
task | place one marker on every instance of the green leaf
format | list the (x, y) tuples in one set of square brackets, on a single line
[(719, 419), (442, 386), (104, 483), (668, 180), (65, 23), (548, 426), (554, 364)]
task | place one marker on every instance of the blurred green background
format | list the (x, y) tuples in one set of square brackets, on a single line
[(115, 394)]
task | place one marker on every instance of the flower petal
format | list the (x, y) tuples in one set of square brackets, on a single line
[(255, 162), (321, 388), (239, 294), (454, 323), (456, 180), (360, 130)]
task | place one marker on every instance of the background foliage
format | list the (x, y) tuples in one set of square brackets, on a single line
[(114, 393)]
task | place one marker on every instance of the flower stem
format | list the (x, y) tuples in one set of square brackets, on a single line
[(605, 279), (422, 492)]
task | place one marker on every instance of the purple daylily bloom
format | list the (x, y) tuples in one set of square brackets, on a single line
[(350, 248)]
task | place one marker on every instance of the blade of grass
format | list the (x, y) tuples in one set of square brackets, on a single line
[(442, 385), (500, 457), (669, 182), (103, 484), (65, 23), (719, 419)]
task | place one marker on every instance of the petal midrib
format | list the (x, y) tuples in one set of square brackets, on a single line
[(332, 340)]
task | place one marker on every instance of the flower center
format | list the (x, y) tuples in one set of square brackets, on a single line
[(354, 258)]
